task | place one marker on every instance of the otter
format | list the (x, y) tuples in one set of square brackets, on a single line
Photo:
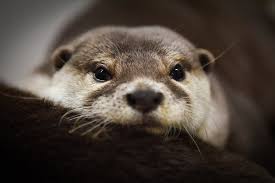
[(148, 76), (235, 85)]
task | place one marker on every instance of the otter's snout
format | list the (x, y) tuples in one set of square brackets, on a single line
[(144, 100)]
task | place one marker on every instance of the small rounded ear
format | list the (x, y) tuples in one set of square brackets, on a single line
[(206, 59), (61, 56)]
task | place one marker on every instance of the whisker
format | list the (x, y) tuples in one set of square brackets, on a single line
[(19, 97), (81, 126), (90, 130), (167, 132), (206, 133), (80, 118), (220, 55), (179, 129), (66, 114), (75, 110), (75, 117), (104, 127), (197, 146), (174, 130)]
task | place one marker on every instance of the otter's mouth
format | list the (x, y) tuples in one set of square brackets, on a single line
[(148, 122), (96, 126)]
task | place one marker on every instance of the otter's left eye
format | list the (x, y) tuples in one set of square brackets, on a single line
[(177, 73), (102, 74)]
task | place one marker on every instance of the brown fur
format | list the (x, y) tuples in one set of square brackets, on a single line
[(35, 148)]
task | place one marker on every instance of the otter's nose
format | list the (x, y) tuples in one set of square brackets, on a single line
[(144, 100)]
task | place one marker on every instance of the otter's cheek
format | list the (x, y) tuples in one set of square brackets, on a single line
[(172, 114), (115, 109)]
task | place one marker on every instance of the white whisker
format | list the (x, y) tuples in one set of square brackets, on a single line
[(197, 146), (90, 130), (81, 126), (19, 97)]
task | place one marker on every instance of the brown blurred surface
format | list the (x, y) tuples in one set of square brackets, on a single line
[(35, 147)]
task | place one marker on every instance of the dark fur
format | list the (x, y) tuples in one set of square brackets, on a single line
[(35, 149)]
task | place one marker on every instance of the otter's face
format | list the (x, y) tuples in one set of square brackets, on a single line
[(150, 77)]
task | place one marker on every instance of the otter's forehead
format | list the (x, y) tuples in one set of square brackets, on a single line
[(121, 40), (129, 52)]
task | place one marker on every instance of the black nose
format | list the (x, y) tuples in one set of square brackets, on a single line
[(144, 100)]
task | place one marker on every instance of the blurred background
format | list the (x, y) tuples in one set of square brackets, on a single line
[(27, 29), (29, 26)]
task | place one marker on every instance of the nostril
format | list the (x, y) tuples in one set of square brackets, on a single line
[(130, 99), (158, 98)]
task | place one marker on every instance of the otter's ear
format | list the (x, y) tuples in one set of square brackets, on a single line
[(61, 56), (206, 59)]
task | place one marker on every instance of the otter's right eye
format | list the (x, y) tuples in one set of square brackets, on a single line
[(102, 74), (177, 73)]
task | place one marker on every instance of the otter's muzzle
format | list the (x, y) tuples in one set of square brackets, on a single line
[(144, 100)]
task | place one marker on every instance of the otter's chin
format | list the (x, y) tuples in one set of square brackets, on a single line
[(155, 130), (151, 125), (148, 123)]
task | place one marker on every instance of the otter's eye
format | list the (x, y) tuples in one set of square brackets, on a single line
[(102, 74), (177, 73)]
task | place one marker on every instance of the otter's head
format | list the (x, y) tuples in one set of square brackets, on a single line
[(147, 76)]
